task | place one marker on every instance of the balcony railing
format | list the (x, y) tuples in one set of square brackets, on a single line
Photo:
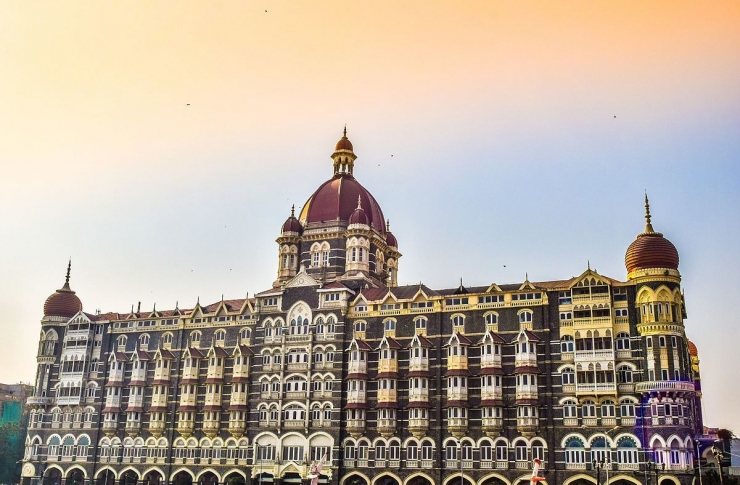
[(594, 355), (665, 386), (601, 387)]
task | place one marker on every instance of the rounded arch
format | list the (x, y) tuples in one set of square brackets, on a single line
[(669, 478), (626, 478), (456, 478), (182, 470), (355, 478), (202, 473), (568, 437), (235, 476), (76, 467), (580, 476), (129, 476), (379, 480), (153, 476), (494, 476), (413, 479)]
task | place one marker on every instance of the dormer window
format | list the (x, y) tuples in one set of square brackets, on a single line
[(331, 297), (361, 307), (456, 301), (271, 301)]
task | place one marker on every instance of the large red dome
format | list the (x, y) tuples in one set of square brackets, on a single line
[(63, 302), (336, 199), (651, 250)]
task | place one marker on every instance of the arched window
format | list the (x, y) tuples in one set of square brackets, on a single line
[(220, 337), (194, 338), (122, 340), (599, 450), (588, 408), (245, 334), (624, 375), (491, 319), (144, 341), (627, 451), (390, 325), (566, 343), (568, 376), (574, 452), (458, 323), (607, 409), (525, 316), (623, 341)]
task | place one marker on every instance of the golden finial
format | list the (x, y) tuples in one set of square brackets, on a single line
[(648, 225), (345, 130), (292, 211), (66, 279), (359, 202)]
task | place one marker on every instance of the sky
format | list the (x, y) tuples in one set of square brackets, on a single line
[(160, 145)]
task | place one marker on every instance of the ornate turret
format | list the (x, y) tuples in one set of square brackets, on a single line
[(344, 156), (650, 251), (63, 302)]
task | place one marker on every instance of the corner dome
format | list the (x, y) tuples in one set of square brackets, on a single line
[(336, 200), (390, 239), (692, 349), (292, 224), (650, 249), (359, 216), (63, 302)]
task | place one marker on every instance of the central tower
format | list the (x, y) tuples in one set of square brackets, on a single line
[(341, 233)]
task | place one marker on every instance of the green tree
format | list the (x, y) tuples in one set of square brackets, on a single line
[(11, 451)]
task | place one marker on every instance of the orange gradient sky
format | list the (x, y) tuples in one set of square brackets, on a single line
[(522, 133)]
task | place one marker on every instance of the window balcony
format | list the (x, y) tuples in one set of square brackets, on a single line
[(664, 386), (156, 428), (387, 427), (387, 365), (527, 424), (418, 364), (356, 396), (488, 361), (297, 338), (418, 426), (457, 393), (594, 355), (457, 426), (357, 367), (596, 387), (296, 395), (297, 366), (417, 394), (526, 392), (40, 401), (492, 426), (355, 427), (211, 427), (387, 395), (457, 362), (237, 428), (294, 423), (575, 466), (526, 360)]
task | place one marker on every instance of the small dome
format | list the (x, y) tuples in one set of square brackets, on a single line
[(63, 302), (358, 216), (650, 249), (292, 224), (390, 239), (692, 349), (344, 143)]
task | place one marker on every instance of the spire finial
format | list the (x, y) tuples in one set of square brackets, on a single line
[(388, 225), (359, 202), (648, 225), (155, 307), (589, 265), (292, 211), (345, 130), (66, 279), (526, 276)]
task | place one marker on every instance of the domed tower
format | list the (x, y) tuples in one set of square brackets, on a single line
[(63, 304), (652, 265), (340, 233), (289, 242)]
